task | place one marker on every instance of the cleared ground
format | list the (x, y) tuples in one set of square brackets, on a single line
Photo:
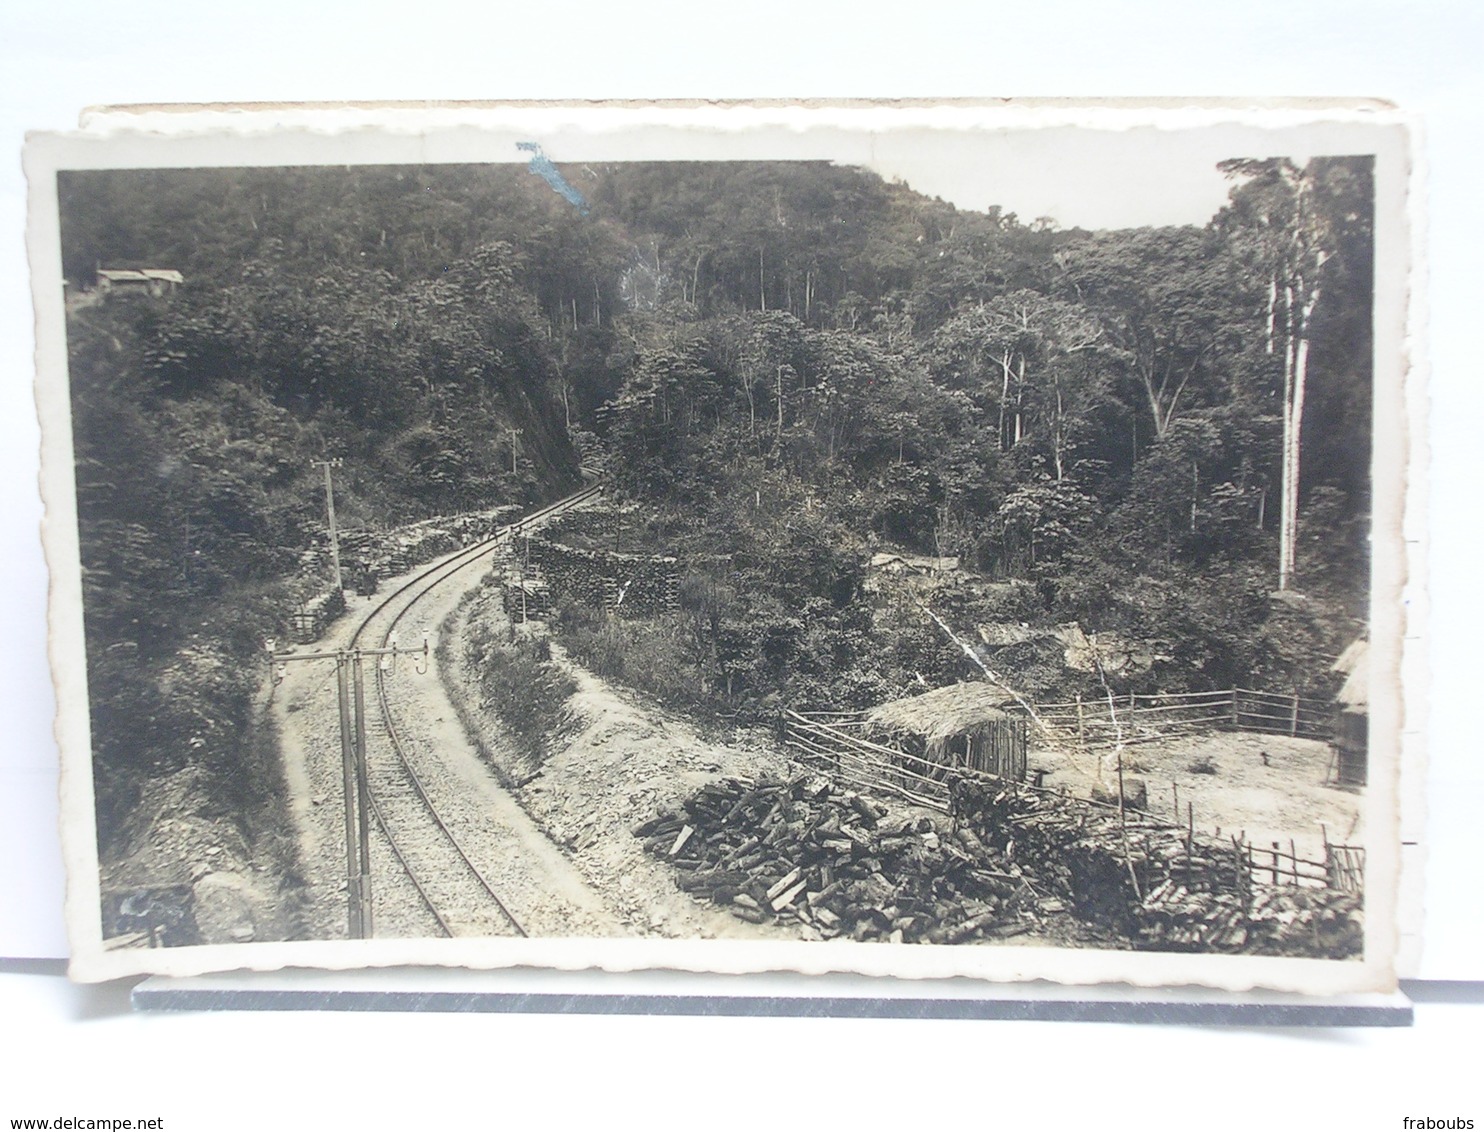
[(1286, 796)]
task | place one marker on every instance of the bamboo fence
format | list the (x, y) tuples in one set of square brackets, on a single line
[(832, 743), (1148, 718)]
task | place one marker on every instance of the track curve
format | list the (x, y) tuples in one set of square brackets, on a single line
[(418, 822)]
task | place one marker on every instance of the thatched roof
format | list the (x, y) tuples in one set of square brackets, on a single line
[(1355, 693), (938, 715)]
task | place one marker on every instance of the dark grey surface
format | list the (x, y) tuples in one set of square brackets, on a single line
[(672, 993)]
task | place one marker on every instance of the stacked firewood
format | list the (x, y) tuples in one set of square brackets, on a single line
[(1176, 918), (1288, 919), (1166, 888), (837, 864), (633, 583), (1282, 919)]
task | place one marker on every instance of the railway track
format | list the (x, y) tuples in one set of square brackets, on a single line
[(430, 880)]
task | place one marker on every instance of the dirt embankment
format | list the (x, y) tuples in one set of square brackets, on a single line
[(615, 765), (199, 869)]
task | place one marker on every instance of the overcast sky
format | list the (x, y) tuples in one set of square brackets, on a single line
[(1108, 179)]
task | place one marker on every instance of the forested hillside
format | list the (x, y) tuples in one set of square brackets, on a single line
[(1151, 432)]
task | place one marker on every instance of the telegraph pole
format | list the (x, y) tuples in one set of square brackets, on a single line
[(355, 869), (514, 432), (351, 694), (363, 796), (330, 511)]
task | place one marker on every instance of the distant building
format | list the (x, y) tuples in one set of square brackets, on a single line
[(145, 281), (888, 571), (891, 562), (1084, 652)]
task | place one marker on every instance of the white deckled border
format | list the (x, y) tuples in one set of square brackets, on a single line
[(896, 140)]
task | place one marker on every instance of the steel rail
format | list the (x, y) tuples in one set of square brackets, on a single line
[(443, 571)]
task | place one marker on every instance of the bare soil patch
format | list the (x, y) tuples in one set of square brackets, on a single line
[(616, 765), (1283, 797)]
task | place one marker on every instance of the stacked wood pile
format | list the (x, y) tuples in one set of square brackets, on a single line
[(526, 599), (1176, 918), (1289, 920), (1166, 887), (309, 620), (838, 864), (631, 583)]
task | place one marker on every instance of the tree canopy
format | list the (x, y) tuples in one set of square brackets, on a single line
[(1150, 430)]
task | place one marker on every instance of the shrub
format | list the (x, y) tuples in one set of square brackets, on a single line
[(521, 686)]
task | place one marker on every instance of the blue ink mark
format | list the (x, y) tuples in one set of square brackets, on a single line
[(541, 166)]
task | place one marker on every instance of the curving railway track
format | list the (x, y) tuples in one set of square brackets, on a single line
[(427, 836)]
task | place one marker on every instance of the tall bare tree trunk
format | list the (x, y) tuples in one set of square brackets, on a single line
[(1272, 311), (1004, 396), (1057, 437), (1300, 385), (1286, 526), (1019, 398), (1295, 382)]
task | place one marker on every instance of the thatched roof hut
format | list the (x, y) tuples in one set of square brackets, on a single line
[(973, 725)]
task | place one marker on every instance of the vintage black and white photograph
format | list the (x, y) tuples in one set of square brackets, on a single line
[(967, 548)]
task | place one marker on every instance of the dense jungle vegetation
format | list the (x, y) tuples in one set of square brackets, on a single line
[(1161, 433)]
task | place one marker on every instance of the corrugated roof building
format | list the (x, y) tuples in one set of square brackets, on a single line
[(149, 280), (1352, 713)]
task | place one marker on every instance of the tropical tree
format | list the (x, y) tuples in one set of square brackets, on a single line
[(1164, 299), (1286, 225)]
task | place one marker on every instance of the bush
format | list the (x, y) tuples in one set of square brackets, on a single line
[(520, 685)]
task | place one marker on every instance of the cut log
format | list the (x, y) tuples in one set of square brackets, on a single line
[(788, 879), (784, 899)]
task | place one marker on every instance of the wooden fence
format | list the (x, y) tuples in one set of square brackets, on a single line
[(1342, 869), (824, 745), (1146, 718), (835, 743), (1345, 867), (1275, 865)]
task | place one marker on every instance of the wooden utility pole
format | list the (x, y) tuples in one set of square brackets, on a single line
[(351, 695), (355, 870), (363, 794), (514, 432), (330, 511)]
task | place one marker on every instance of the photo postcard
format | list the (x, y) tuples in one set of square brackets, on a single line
[(913, 540)]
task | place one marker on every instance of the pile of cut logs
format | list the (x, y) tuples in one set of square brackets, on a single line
[(1166, 888), (1286, 919), (838, 864)]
